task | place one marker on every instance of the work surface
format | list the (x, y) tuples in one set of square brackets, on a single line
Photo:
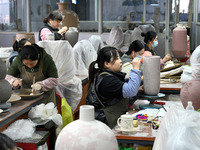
[(18, 110)]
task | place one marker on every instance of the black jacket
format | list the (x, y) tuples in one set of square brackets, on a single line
[(57, 35)]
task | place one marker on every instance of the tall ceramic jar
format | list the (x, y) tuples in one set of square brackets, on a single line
[(69, 17), (72, 36), (179, 42), (5, 87), (86, 133), (151, 75)]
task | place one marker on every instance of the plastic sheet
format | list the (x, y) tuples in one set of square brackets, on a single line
[(84, 54), (179, 130), (63, 56), (96, 42), (20, 129), (187, 74), (195, 63), (116, 37)]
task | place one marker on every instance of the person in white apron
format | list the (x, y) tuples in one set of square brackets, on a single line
[(34, 62)]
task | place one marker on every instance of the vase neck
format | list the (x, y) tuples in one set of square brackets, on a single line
[(86, 113), (62, 6)]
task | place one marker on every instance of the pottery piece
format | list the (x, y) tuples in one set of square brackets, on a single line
[(151, 75), (190, 92), (25, 35), (179, 42), (86, 133), (69, 17), (72, 36), (125, 122), (5, 90), (3, 69)]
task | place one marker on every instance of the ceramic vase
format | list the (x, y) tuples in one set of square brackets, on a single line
[(179, 42), (190, 92), (69, 17), (29, 36), (86, 133), (151, 75), (72, 36), (5, 87)]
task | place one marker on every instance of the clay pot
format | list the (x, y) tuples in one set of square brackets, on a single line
[(69, 17), (3, 69), (5, 90), (29, 36), (86, 133), (72, 36), (190, 92), (179, 42), (151, 75)]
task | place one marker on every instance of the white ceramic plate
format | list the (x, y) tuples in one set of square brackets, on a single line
[(14, 98)]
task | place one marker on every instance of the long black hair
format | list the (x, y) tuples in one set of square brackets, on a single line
[(53, 16), (106, 54), (149, 36), (18, 44), (135, 46), (30, 52), (6, 142)]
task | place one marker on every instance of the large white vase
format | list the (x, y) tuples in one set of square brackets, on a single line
[(86, 133), (151, 75)]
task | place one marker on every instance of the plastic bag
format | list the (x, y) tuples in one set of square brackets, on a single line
[(20, 129), (179, 130), (44, 112)]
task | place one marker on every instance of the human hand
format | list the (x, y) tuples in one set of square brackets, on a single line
[(36, 87), (136, 63), (167, 58), (17, 83), (63, 30)]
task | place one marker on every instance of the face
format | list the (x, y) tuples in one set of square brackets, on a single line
[(115, 66), (156, 39), (30, 63), (54, 23), (139, 53)]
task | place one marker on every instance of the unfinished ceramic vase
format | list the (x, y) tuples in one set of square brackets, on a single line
[(190, 92), (86, 133), (5, 87), (72, 36), (151, 75)]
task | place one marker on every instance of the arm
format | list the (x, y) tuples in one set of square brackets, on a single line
[(131, 88), (43, 33), (48, 83)]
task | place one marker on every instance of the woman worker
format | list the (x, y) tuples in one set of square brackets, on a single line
[(136, 49), (151, 40), (108, 91), (17, 46), (51, 25), (34, 62)]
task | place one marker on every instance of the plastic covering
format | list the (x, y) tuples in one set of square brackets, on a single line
[(187, 74), (96, 42), (63, 56), (84, 54), (179, 130), (116, 37), (136, 35), (195, 63), (20, 129), (147, 27)]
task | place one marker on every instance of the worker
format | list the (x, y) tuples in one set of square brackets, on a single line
[(34, 62), (6, 143), (108, 92), (151, 41), (51, 25)]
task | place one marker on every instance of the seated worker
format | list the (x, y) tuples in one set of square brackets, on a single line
[(108, 92), (6, 143), (33, 61), (136, 49), (17, 46), (51, 25), (151, 40)]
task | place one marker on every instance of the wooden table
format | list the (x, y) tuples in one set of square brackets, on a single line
[(18, 110), (144, 137), (173, 88)]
